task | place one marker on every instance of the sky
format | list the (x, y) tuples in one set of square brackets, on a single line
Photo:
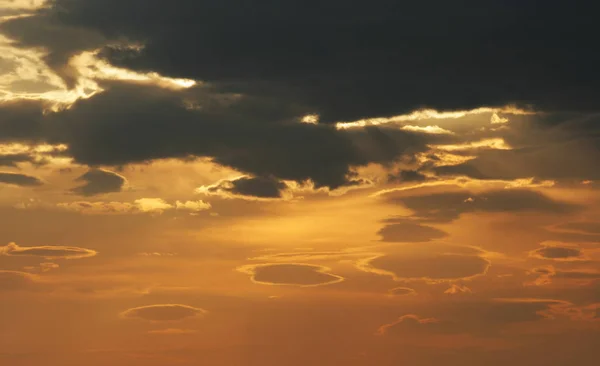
[(286, 183)]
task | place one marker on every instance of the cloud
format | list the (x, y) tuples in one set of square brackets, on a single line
[(402, 291), (163, 312), (291, 274), (143, 205), (581, 227), (445, 207), (301, 65), (172, 331), (412, 324), (47, 252), (548, 274), (247, 187), (407, 232), (407, 176), (21, 180), (456, 289), (429, 263), (99, 181), (15, 281), (558, 252)]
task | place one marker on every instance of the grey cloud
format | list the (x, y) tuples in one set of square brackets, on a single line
[(445, 207), (99, 181), (17, 179), (261, 187), (345, 60)]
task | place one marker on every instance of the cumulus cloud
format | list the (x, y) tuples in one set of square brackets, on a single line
[(558, 252), (21, 180), (99, 181), (429, 263), (291, 274), (163, 312), (47, 252)]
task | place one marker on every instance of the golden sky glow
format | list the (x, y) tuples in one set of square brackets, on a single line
[(153, 217)]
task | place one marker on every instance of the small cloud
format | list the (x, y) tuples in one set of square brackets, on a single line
[(194, 206), (48, 266), (407, 232), (558, 252), (291, 274), (99, 181), (434, 130), (456, 289), (47, 252), (21, 180), (172, 331), (411, 324), (246, 187), (497, 119), (402, 291), (153, 205), (157, 254), (163, 312)]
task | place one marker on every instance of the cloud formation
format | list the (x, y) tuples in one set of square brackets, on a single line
[(21, 180), (163, 312), (429, 263), (407, 232), (558, 252), (47, 252), (290, 274), (247, 187), (99, 181)]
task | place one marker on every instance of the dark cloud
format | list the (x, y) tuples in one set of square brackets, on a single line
[(162, 313), (407, 176), (558, 252), (11, 160), (17, 179), (135, 123), (444, 207), (99, 181), (304, 275), (48, 252), (261, 187), (429, 263), (406, 232), (346, 60)]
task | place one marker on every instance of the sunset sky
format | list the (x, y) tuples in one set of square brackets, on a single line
[(299, 182)]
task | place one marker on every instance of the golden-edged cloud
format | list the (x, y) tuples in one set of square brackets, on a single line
[(290, 274), (557, 251), (139, 206), (47, 252), (163, 312), (402, 291), (429, 263)]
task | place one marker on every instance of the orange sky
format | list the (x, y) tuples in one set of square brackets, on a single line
[(132, 235)]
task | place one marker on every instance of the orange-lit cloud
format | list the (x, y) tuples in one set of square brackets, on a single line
[(47, 252), (302, 275), (163, 312)]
